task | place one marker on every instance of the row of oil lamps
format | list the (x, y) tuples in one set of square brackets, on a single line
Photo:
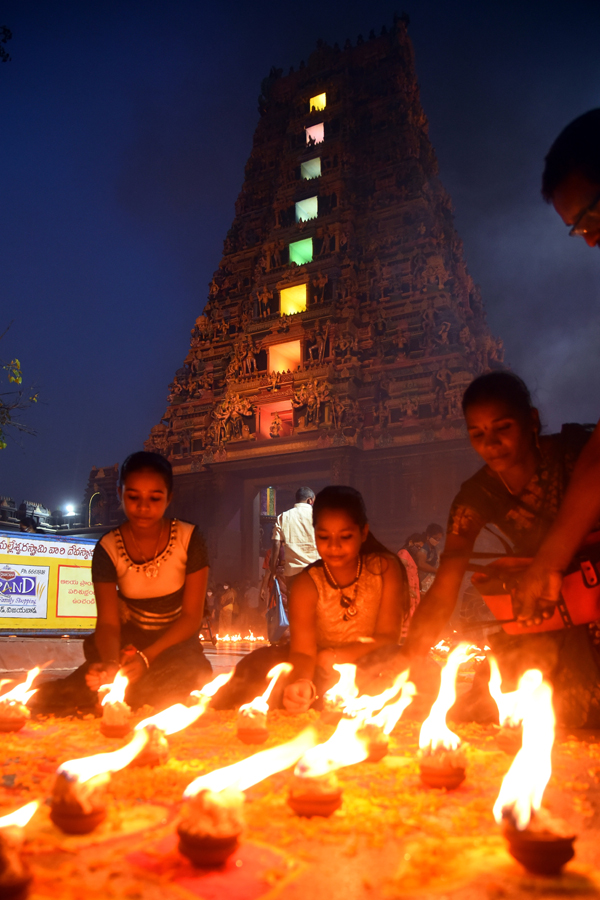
[(212, 818)]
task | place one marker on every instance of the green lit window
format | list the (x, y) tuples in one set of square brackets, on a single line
[(316, 133), (310, 169), (318, 103), (307, 209), (292, 300), (301, 252)]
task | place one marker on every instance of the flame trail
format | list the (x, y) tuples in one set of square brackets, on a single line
[(21, 816), (434, 731), (242, 775), (525, 782)]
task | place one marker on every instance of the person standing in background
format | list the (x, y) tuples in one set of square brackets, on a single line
[(408, 557), (428, 558), (294, 529)]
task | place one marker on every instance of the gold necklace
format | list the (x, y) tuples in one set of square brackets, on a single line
[(150, 567), (348, 604)]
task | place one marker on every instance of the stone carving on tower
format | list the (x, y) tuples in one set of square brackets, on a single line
[(342, 310)]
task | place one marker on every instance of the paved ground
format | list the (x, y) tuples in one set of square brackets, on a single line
[(61, 655)]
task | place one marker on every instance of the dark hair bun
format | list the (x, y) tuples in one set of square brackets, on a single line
[(499, 385), (138, 462)]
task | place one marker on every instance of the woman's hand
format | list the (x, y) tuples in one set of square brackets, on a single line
[(298, 696), (100, 673), (537, 594), (133, 664)]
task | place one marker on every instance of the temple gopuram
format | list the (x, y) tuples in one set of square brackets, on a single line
[(341, 326)]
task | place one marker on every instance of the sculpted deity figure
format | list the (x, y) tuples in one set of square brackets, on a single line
[(276, 426), (264, 297)]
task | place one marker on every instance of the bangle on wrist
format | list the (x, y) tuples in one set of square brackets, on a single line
[(313, 687), (144, 657)]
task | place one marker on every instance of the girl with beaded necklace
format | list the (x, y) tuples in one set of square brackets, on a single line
[(347, 607), (150, 577)]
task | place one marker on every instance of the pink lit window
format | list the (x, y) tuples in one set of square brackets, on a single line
[(316, 133)]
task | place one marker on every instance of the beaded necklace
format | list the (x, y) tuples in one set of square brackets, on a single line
[(348, 604), (151, 566)]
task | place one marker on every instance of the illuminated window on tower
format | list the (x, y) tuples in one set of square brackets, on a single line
[(316, 133), (301, 252), (307, 209), (310, 169), (285, 356), (292, 300), (318, 103)]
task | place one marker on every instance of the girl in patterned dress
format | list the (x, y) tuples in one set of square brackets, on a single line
[(347, 607), (149, 578)]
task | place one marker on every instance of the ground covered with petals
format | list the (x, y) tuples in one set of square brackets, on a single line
[(392, 837)]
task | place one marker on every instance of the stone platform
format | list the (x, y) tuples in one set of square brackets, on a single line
[(61, 655)]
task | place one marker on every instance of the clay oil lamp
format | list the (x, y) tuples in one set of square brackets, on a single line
[(377, 729), (15, 876), (511, 705), (442, 764), (13, 711), (212, 820), (314, 790), (78, 800), (116, 714), (252, 717), (340, 695), (174, 718), (540, 842)]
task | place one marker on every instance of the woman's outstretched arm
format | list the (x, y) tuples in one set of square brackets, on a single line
[(539, 587), (437, 605)]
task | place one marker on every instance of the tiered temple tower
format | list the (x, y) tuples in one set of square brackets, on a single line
[(342, 325)]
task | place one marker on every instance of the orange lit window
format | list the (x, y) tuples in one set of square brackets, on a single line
[(285, 356)]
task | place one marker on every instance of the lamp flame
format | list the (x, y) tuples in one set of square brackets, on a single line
[(370, 704), (525, 782), (21, 693), (261, 703), (344, 748), (390, 715), (242, 775), (177, 717), (512, 704), (88, 767), (115, 692), (20, 817), (434, 731), (345, 691)]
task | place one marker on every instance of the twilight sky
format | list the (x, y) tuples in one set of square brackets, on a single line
[(126, 125)]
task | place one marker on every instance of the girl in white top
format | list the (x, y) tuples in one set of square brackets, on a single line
[(358, 590)]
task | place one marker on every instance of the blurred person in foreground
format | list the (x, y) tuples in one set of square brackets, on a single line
[(571, 183)]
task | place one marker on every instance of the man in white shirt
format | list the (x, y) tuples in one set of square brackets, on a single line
[(294, 529)]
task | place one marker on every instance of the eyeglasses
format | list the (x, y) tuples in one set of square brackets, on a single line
[(579, 229)]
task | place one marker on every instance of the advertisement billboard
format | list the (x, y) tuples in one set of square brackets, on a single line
[(45, 583)]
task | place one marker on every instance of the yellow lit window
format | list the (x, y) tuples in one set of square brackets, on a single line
[(307, 209), (285, 356), (292, 300), (319, 102), (301, 252), (316, 133), (310, 169)]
